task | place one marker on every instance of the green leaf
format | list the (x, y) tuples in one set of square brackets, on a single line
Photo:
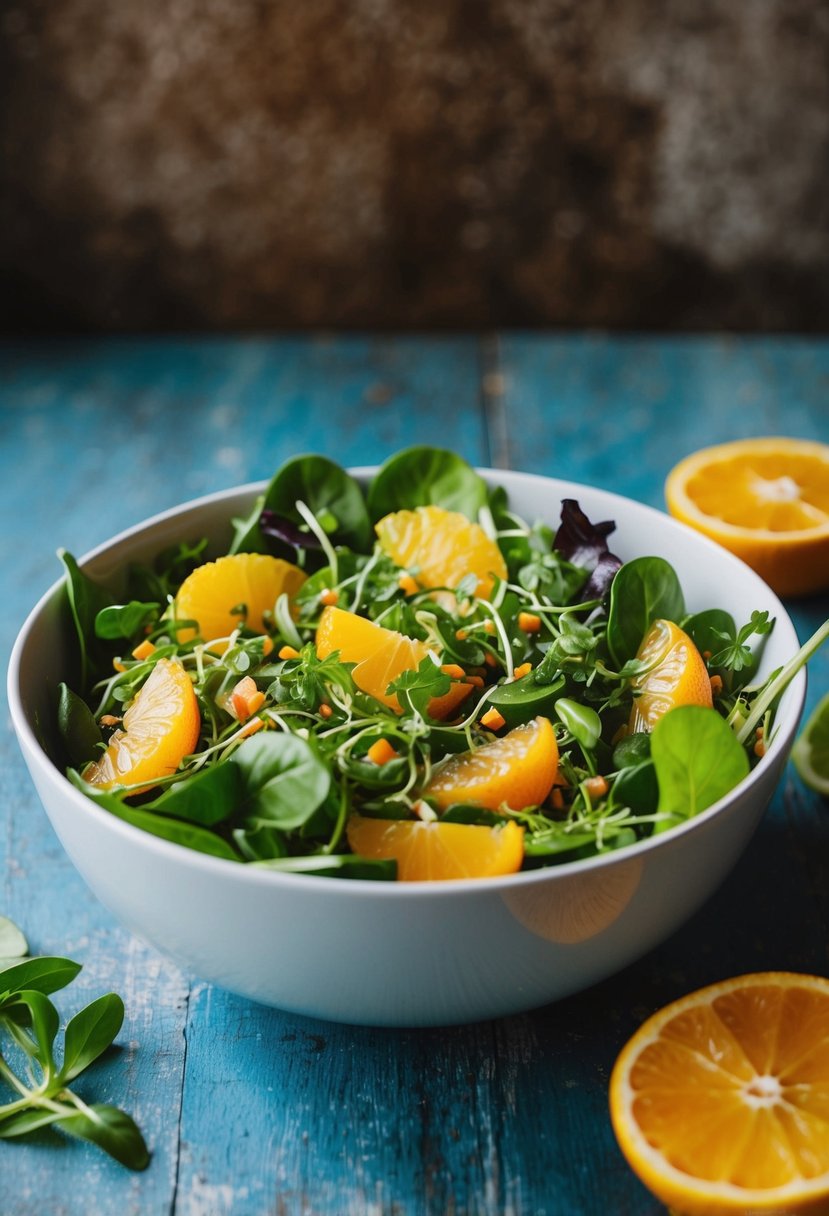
[(415, 689), (644, 590), (636, 787), (31, 1119), (44, 974), (698, 760), (262, 843), (583, 723), (78, 729), (90, 1032), (30, 1009), (12, 942), (86, 600), (208, 797), (124, 620), (283, 780), (420, 476), (328, 490), (112, 1130)]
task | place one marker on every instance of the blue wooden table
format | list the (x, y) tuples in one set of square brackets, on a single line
[(248, 1110)]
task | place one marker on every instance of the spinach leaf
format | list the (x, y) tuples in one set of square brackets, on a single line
[(283, 780), (208, 797), (644, 590), (698, 760), (78, 729), (333, 865), (124, 620), (86, 600), (420, 476), (636, 787), (582, 721), (327, 490)]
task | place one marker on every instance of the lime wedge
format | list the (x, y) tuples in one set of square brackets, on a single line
[(811, 751)]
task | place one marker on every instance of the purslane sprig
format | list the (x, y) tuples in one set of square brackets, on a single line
[(31, 1070)]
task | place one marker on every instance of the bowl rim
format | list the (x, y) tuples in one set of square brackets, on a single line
[(224, 868)]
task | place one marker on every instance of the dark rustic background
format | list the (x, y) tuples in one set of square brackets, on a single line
[(259, 164)]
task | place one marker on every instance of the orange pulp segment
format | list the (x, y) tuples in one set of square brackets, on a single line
[(720, 1101), (249, 583), (380, 655), (160, 727), (432, 851), (517, 770), (679, 676), (440, 548), (765, 499)]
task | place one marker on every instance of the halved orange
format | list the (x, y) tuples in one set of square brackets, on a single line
[(765, 499), (679, 676), (380, 655), (160, 727), (433, 851), (720, 1101), (516, 771), (440, 548), (234, 590)]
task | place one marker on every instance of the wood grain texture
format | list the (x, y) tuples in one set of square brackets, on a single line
[(252, 1112)]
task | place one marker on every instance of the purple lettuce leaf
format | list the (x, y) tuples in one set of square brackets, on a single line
[(585, 545)]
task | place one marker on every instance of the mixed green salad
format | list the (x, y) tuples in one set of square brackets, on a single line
[(275, 778)]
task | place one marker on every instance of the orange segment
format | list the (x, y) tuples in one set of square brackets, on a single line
[(720, 1101), (679, 676), (767, 500), (432, 851), (517, 771), (380, 655), (160, 727), (253, 580), (441, 548)]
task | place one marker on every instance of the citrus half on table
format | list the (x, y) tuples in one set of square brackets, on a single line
[(435, 851), (160, 727), (677, 675), (380, 655), (440, 548), (720, 1101), (764, 499), (234, 590)]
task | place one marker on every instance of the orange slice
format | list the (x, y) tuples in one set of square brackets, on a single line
[(160, 727), (440, 548), (234, 590), (767, 500), (433, 851), (679, 676), (720, 1101), (517, 771), (380, 655)]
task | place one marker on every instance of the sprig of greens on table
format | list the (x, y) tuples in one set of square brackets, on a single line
[(29, 1024), (281, 798)]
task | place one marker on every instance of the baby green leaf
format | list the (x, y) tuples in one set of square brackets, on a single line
[(44, 974), (86, 599), (283, 780), (420, 476), (124, 620), (207, 798), (112, 1130), (698, 760), (90, 1032), (644, 590), (583, 723), (78, 729)]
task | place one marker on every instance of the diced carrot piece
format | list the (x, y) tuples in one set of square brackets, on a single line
[(325, 710), (529, 622), (329, 596), (492, 720), (453, 670), (288, 652), (407, 585), (143, 650), (381, 752), (523, 670)]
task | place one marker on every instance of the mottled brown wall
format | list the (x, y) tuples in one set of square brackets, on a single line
[(260, 163)]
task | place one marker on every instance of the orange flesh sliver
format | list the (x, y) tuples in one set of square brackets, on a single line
[(517, 770), (435, 851), (722, 1100), (679, 676), (441, 548), (255, 580), (160, 727), (380, 655)]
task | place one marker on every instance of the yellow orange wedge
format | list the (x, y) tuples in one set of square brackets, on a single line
[(433, 851), (720, 1101), (234, 590), (678, 677), (380, 655), (517, 771), (440, 548), (765, 499), (160, 727)]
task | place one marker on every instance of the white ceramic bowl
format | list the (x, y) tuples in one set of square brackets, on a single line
[(412, 954)]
